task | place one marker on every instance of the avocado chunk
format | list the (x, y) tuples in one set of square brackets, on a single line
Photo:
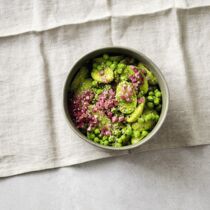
[(141, 126), (126, 73), (79, 78), (144, 88), (144, 123), (105, 75), (123, 105), (151, 77), (137, 113), (85, 85), (136, 140)]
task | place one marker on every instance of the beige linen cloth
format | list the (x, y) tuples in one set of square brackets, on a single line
[(40, 41)]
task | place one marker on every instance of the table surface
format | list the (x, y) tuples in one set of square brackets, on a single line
[(167, 179)]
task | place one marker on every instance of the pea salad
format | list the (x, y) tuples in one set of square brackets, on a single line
[(115, 100)]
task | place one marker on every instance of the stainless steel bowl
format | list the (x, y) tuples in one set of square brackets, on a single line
[(123, 51)]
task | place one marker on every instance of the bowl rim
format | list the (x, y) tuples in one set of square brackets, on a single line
[(154, 130)]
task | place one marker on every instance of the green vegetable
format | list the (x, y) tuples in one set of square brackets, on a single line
[(158, 94), (159, 107), (150, 105), (96, 140), (144, 88), (126, 73), (105, 75), (113, 66), (121, 66), (135, 140), (144, 133), (136, 134), (151, 93), (119, 71), (79, 78), (96, 131), (152, 79), (111, 139), (108, 63), (146, 122), (105, 97), (106, 57), (150, 98), (117, 144), (106, 143), (124, 106), (137, 113), (116, 58), (85, 85), (156, 101)]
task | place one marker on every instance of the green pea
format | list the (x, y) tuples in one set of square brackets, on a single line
[(156, 90), (99, 67), (157, 117), (121, 65), (96, 131), (117, 144), (105, 138), (123, 78), (141, 120), (148, 117), (156, 101), (113, 66), (128, 132), (105, 56), (153, 116), (95, 65), (96, 140), (144, 133), (98, 60), (136, 134), (94, 83), (111, 139), (92, 136), (151, 93), (159, 107), (119, 71), (101, 142), (108, 63), (150, 98), (158, 94), (150, 105), (134, 140), (99, 91), (120, 140), (123, 137), (106, 143)]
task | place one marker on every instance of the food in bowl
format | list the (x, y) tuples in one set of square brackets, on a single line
[(115, 100)]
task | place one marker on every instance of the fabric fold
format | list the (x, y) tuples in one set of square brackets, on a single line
[(44, 39)]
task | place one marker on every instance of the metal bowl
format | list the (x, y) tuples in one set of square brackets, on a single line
[(120, 51)]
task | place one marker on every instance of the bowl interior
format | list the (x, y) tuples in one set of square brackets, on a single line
[(123, 51)]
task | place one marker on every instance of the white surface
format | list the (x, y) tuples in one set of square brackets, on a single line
[(177, 179)]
